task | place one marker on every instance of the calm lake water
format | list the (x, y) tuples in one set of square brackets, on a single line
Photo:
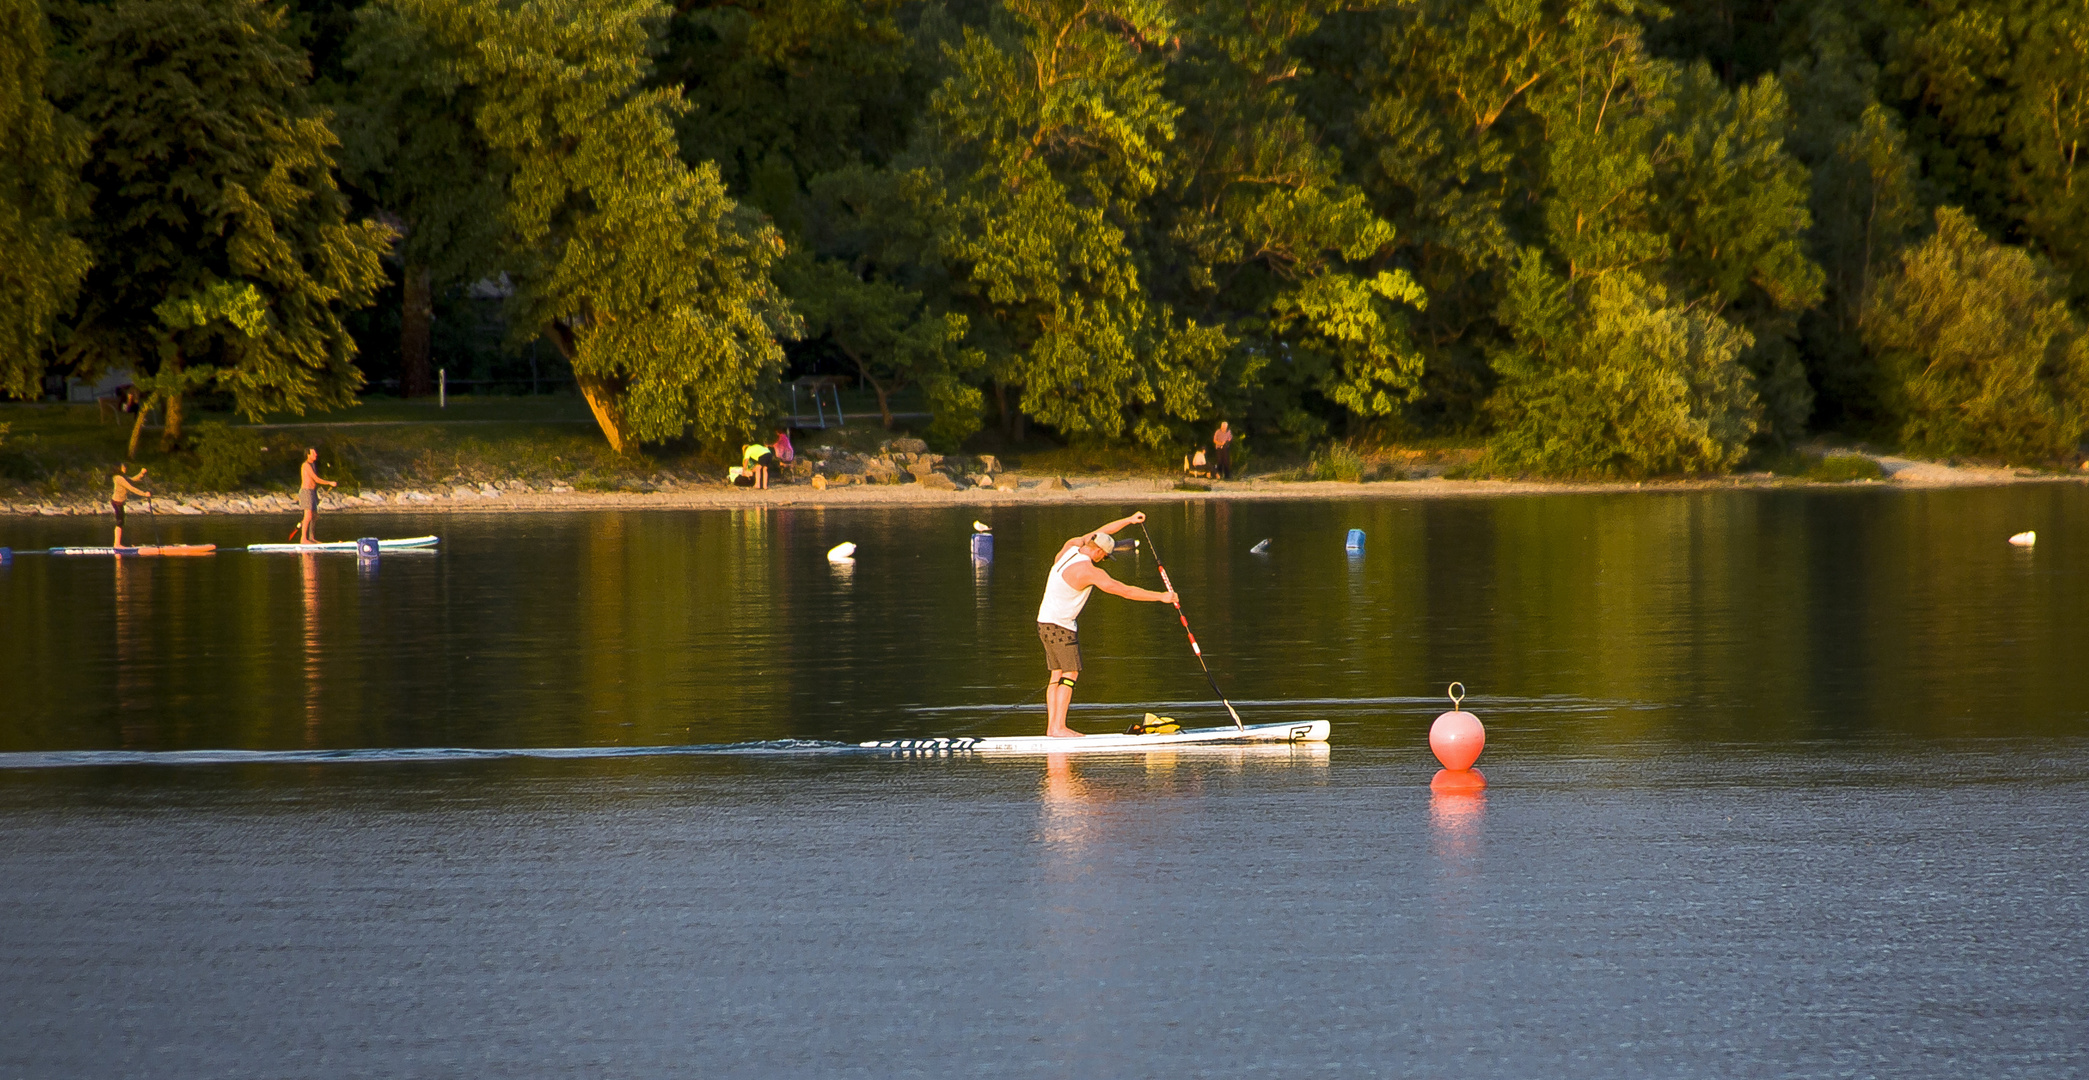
[(1781, 784)]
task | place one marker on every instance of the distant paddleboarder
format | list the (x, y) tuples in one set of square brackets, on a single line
[(1074, 575), (308, 482), (119, 485)]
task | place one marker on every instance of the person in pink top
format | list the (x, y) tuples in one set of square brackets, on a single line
[(785, 454), (1222, 452)]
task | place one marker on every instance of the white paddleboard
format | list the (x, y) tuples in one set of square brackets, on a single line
[(347, 545), (1314, 731)]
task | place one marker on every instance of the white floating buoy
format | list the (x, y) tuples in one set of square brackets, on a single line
[(842, 552), (2024, 539), (1260, 549), (981, 526)]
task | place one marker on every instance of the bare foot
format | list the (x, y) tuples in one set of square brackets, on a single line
[(1063, 733)]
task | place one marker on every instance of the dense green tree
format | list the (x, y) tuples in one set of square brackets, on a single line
[(41, 262), (1255, 229), (1999, 93), (1504, 137), (889, 336), (1867, 202), (786, 91), (1978, 351), (411, 145), (1609, 377), (222, 249), (651, 281), (1049, 131)]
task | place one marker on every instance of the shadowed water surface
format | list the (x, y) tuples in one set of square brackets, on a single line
[(1782, 784)]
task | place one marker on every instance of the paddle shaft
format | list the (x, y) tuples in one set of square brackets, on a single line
[(1191, 634)]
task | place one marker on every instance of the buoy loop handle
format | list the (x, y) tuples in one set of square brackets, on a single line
[(1457, 692)]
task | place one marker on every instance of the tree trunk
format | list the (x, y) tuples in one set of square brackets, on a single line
[(601, 393), (416, 330), (170, 431), (863, 370), (138, 428), (609, 412)]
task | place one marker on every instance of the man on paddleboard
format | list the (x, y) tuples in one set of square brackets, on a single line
[(1074, 575), (119, 485), (308, 482)]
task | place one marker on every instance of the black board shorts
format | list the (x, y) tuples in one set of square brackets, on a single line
[(1062, 647), (117, 505)]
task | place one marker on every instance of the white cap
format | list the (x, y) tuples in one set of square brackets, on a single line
[(1104, 541)]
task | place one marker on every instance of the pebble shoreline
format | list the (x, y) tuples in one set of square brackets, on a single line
[(1010, 489)]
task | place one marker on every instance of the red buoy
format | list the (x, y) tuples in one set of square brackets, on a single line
[(1457, 737)]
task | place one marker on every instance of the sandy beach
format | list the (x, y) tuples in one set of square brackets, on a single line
[(1012, 489)]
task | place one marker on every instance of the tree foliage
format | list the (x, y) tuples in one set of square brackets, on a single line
[(222, 249), (1978, 350), (41, 262), (1607, 236), (1610, 377), (650, 279)]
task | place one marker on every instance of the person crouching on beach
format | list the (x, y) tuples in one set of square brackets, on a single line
[(756, 460)]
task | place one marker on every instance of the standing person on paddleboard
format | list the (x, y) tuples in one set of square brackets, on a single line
[(1074, 575), (118, 485), (308, 482)]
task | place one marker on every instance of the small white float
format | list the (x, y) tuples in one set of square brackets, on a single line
[(2024, 539), (842, 552)]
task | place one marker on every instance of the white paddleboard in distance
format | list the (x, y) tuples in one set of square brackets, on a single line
[(1314, 731), (347, 545)]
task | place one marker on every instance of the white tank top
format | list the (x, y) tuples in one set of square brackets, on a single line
[(1062, 602)]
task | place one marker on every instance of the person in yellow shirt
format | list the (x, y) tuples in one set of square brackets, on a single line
[(756, 460)]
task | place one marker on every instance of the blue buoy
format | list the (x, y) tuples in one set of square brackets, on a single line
[(7, 555), (1355, 546), (983, 546), (366, 548)]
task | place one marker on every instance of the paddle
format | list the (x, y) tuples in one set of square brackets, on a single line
[(1170, 586), (153, 508)]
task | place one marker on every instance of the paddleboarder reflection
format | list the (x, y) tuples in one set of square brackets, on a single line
[(1075, 574)]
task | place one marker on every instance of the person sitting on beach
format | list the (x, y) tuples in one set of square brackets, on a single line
[(308, 482), (758, 460), (119, 484), (1195, 465), (739, 477)]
